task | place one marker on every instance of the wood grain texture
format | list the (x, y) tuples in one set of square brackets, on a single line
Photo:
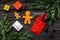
[(35, 13)]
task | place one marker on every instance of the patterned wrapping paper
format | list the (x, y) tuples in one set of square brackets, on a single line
[(35, 13)]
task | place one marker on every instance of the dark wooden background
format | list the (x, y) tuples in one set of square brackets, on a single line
[(46, 33)]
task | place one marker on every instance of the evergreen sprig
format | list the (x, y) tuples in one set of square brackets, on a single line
[(49, 6), (5, 34)]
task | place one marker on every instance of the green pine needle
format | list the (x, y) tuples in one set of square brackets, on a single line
[(5, 34), (50, 6)]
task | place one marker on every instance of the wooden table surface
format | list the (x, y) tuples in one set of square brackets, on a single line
[(35, 13)]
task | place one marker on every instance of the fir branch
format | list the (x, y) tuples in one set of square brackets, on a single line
[(50, 6), (5, 28)]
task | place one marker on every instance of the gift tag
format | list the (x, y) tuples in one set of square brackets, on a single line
[(39, 24), (17, 5), (6, 7), (17, 26)]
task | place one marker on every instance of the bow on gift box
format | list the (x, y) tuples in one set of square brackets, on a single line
[(39, 24)]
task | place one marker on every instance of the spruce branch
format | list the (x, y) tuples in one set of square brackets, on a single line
[(5, 34), (50, 6)]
